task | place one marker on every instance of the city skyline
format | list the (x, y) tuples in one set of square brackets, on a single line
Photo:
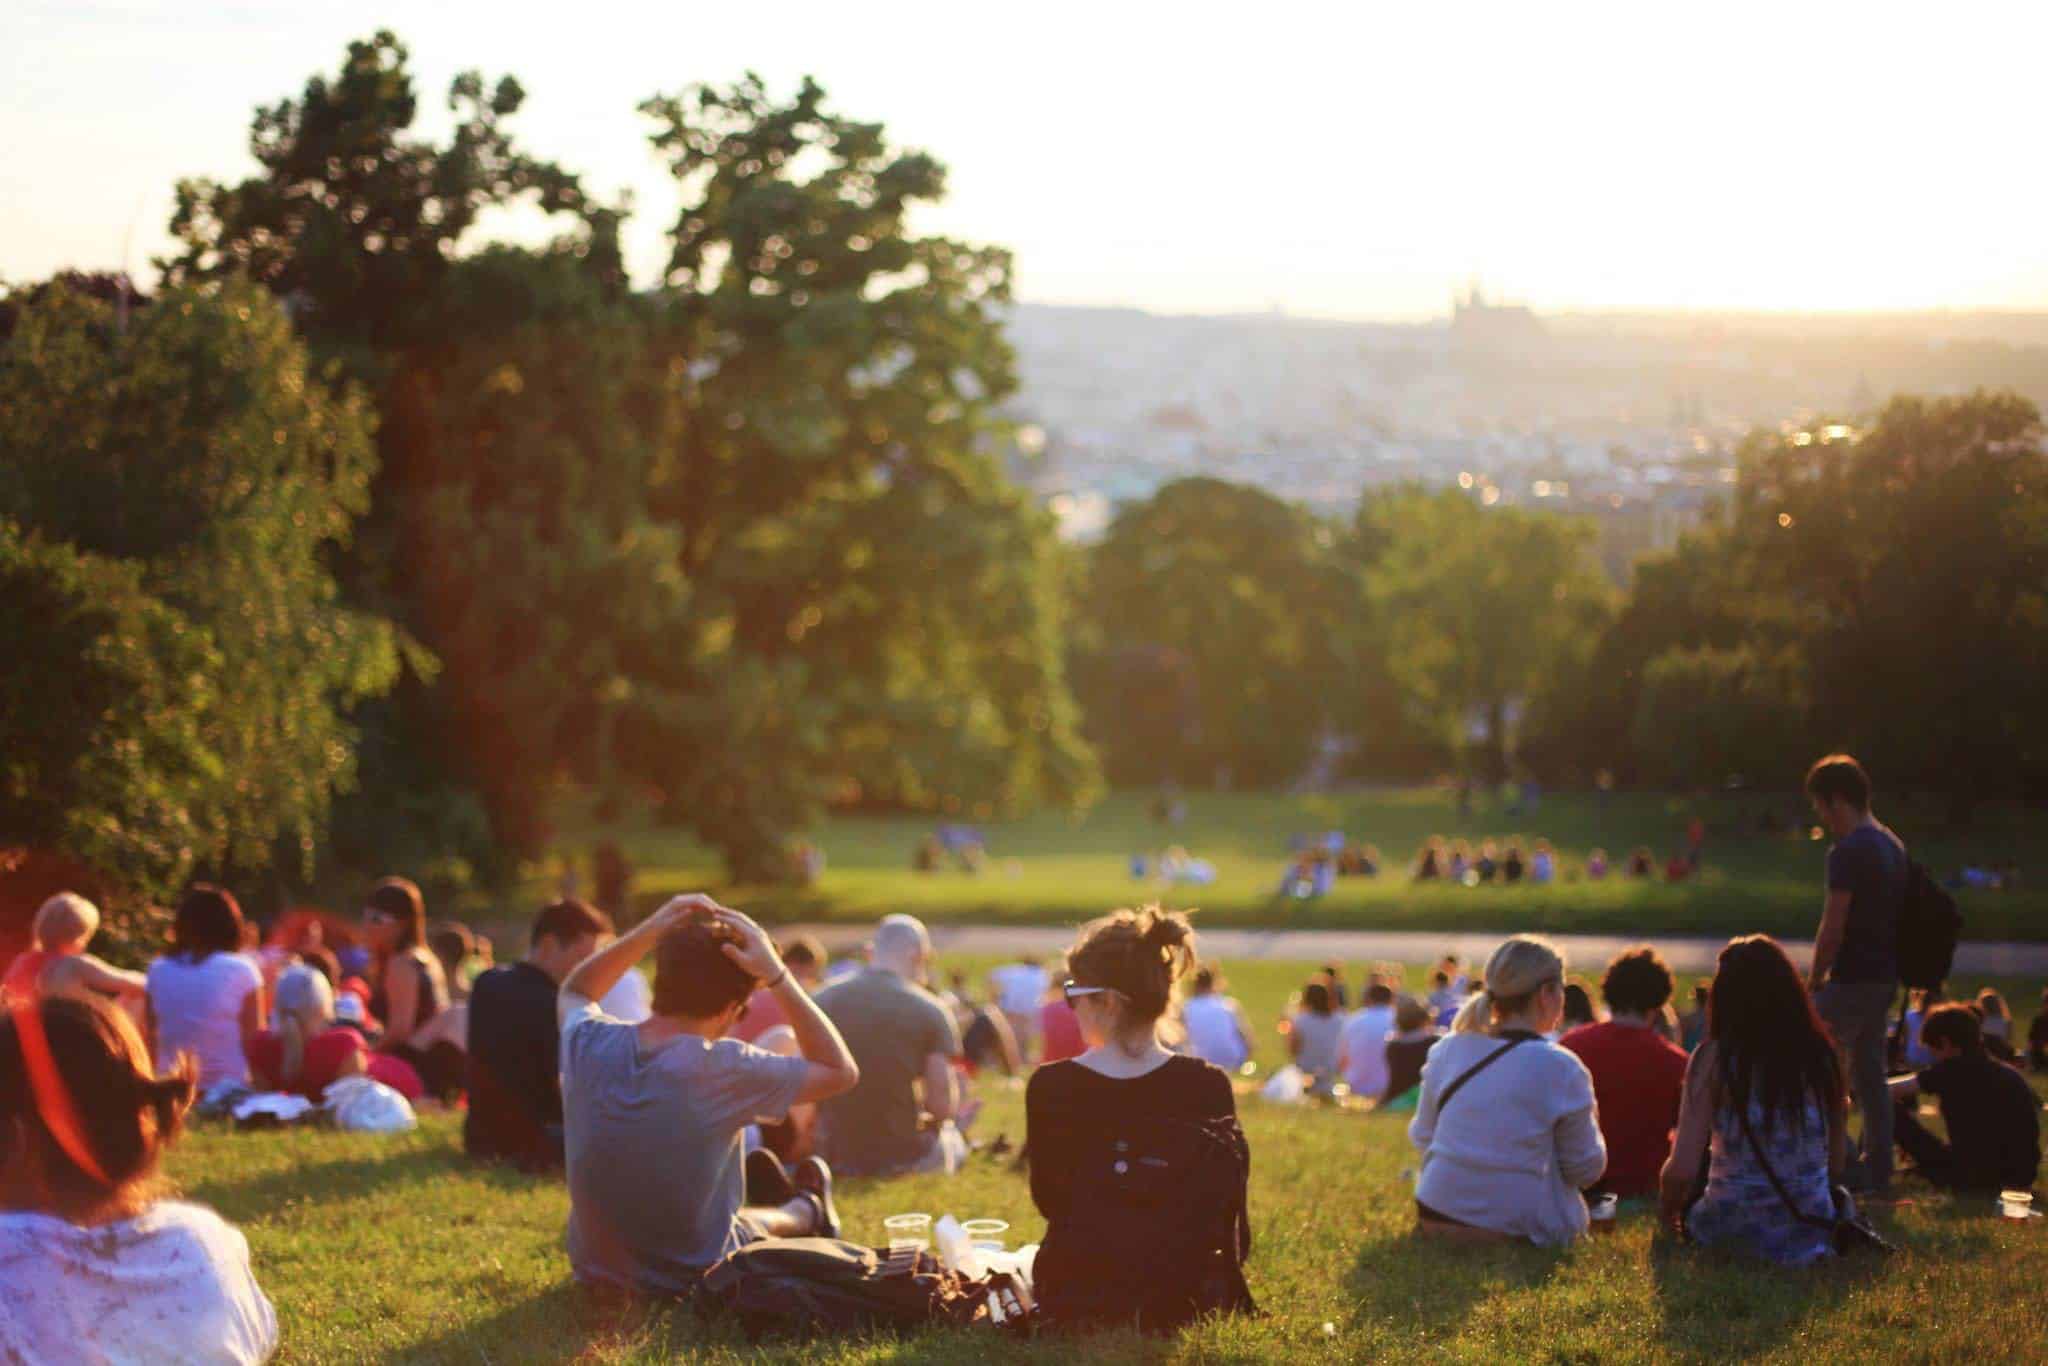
[(1590, 158)]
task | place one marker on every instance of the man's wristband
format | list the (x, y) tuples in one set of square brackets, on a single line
[(780, 978)]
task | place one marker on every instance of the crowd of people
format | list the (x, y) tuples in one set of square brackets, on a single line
[(711, 1103)]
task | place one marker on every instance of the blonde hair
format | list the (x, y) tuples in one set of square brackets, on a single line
[(305, 1007), (66, 918), (1519, 968)]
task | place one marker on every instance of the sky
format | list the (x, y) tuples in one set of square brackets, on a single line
[(1358, 159)]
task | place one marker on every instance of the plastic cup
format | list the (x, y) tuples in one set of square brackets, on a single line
[(908, 1233), (1603, 1208), (2016, 1204), (986, 1235)]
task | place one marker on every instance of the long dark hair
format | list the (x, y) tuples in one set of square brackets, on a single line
[(1772, 1044), (400, 899)]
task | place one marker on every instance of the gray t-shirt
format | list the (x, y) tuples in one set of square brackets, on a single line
[(653, 1143), (892, 1027)]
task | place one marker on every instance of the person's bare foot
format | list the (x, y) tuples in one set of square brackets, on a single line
[(813, 1178)]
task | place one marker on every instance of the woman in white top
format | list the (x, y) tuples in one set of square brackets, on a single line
[(1214, 1023), (94, 1265), (205, 998), (1508, 1151)]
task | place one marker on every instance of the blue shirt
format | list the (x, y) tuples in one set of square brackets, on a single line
[(1869, 863)]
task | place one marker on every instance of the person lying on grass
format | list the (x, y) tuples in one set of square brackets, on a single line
[(1993, 1121), (653, 1113), (94, 1264), (58, 965), (1765, 1097), (1506, 1122)]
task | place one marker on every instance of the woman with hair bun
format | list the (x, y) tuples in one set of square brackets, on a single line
[(1137, 1160), (1506, 1121), (94, 1264)]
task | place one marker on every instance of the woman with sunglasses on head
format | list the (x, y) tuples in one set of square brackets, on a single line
[(407, 986), (95, 1265), (1506, 1122), (1137, 1161)]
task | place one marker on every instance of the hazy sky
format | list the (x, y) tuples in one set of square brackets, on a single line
[(1347, 159)]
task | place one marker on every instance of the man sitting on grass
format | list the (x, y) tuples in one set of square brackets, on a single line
[(1993, 1121), (1638, 1077), (515, 1069), (653, 1112)]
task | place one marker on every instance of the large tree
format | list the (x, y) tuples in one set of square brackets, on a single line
[(1476, 609), (198, 474), (1231, 600)]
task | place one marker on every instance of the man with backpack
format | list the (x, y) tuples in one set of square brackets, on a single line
[(1856, 951), (653, 1112)]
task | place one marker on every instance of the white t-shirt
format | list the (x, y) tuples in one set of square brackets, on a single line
[(1365, 1050), (632, 1000), (171, 1285), (1021, 987), (198, 1009), (1215, 1031)]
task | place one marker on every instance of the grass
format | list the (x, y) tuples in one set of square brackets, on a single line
[(393, 1248), (1058, 869)]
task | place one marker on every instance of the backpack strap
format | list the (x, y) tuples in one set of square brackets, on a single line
[(1784, 1195), (1476, 1068)]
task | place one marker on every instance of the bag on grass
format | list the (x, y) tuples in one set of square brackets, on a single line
[(825, 1285), (366, 1106)]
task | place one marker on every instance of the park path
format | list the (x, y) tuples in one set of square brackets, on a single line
[(1587, 953)]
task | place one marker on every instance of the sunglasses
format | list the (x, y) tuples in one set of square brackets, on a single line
[(1072, 990)]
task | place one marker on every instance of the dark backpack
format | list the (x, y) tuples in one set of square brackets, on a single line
[(1157, 1230), (824, 1285), (1929, 925)]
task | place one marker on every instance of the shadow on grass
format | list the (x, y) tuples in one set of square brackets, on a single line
[(1411, 1279), (1745, 1306)]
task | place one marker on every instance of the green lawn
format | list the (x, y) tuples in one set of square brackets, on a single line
[(1061, 869), (394, 1248)]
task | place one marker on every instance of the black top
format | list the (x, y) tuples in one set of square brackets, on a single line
[(431, 997), (1993, 1121), (1869, 863), (1066, 1103), (515, 1090), (1404, 1065)]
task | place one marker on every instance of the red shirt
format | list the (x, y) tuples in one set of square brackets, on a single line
[(24, 973), (325, 1056), (1637, 1080), (1059, 1029), (764, 1012)]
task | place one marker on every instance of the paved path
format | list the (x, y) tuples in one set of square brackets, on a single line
[(1587, 953)]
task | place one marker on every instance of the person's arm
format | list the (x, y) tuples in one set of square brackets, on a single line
[(401, 1000), (1294, 1041), (832, 1069), (1834, 919), (594, 977), (940, 1099), (1581, 1151), (1838, 1137), (252, 1017), (1905, 1087), (1422, 1129), (84, 970), (1695, 1132)]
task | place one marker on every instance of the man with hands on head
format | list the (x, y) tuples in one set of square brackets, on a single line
[(653, 1113)]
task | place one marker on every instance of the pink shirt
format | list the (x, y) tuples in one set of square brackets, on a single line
[(1060, 1029)]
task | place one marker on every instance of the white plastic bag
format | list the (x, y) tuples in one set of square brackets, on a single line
[(365, 1106), (1286, 1086)]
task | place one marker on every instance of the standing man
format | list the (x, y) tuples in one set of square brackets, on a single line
[(1855, 954)]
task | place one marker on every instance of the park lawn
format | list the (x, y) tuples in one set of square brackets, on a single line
[(1057, 869), (394, 1248)]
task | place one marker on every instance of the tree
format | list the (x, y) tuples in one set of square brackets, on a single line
[(873, 603), (354, 220), (1476, 607), (198, 448), (1235, 591), (1910, 561), (1707, 717)]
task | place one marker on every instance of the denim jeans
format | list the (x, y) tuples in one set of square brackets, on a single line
[(1858, 1014)]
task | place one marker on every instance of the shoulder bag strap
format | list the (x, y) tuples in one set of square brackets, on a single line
[(1797, 1213), (1476, 1068)]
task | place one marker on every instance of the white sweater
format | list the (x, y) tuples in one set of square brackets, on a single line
[(1518, 1142)]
